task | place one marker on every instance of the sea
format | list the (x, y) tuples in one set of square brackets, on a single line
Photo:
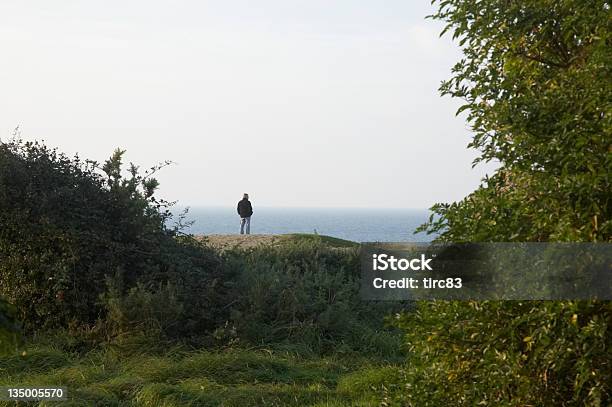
[(358, 225)]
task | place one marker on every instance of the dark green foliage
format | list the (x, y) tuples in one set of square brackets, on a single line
[(70, 228), (10, 328), (306, 293), (537, 86), (186, 300)]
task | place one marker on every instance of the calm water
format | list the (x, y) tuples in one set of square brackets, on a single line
[(360, 225)]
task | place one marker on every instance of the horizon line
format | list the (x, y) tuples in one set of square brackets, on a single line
[(303, 207)]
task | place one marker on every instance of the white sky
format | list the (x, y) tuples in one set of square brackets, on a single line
[(325, 103)]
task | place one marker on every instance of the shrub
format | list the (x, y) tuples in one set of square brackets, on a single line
[(306, 292), (536, 84), (69, 225), (508, 353)]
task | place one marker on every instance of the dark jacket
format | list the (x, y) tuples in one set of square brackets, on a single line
[(244, 208)]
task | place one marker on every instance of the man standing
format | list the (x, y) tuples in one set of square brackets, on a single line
[(245, 210)]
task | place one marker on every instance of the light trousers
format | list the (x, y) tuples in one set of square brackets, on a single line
[(245, 223)]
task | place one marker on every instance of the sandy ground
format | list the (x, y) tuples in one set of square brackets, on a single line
[(242, 241)]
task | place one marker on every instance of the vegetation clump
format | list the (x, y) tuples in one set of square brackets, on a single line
[(536, 84), (81, 243), (87, 249)]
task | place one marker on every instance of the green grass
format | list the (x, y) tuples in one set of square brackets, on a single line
[(234, 377), (328, 240)]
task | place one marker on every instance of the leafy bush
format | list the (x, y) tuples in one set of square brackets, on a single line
[(536, 81), (69, 225), (508, 353)]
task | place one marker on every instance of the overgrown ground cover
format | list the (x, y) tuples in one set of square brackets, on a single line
[(189, 377), (287, 341)]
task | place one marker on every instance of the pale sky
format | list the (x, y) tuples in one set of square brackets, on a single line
[(327, 103)]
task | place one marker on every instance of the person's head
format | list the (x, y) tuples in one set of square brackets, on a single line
[(245, 196)]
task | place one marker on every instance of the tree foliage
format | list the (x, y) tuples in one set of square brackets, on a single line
[(536, 84)]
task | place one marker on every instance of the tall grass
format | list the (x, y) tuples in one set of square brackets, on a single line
[(232, 377)]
